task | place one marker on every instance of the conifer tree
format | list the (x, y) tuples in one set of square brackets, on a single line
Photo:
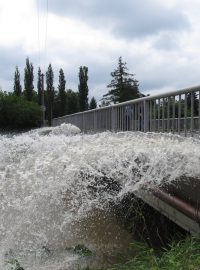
[(93, 103), (83, 88), (123, 86), (39, 86), (61, 92), (17, 85), (50, 93), (28, 80)]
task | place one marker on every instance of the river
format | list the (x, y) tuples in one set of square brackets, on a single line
[(56, 191)]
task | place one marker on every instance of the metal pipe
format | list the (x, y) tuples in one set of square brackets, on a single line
[(180, 205)]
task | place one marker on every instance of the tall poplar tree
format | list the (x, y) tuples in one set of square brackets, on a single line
[(17, 85), (61, 92), (83, 88), (39, 86), (123, 86), (50, 93), (28, 80)]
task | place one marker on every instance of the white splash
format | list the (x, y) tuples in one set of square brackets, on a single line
[(65, 129), (47, 182)]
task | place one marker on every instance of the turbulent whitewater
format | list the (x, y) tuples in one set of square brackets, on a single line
[(53, 181)]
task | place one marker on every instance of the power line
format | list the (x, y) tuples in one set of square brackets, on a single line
[(38, 30), (46, 32), (42, 57)]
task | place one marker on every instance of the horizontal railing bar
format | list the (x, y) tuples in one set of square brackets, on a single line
[(139, 100)]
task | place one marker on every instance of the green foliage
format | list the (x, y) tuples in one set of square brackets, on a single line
[(93, 103), (72, 102), (80, 249), (39, 86), (170, 107), (61, 92), (18, 113), (50, 93), (83, 88), (14, 264), (123, 86), (28, 80), (183, 255), (17, 85), (144, 222)]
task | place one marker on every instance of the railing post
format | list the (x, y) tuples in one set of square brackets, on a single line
[(95, 121), (146, 116), (113, 119)]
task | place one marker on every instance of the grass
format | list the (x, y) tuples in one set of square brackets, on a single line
[(183, 255)]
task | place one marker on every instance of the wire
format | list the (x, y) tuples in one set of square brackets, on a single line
[(42, 57), (46, 32), (38, 30)]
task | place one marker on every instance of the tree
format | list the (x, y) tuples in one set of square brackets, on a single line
[(83, 88), (39, 86), (93, 103), (50, 93), (18, 113), (72, 102), (61, 92), (28, 80), (123, 86), (17, 85)]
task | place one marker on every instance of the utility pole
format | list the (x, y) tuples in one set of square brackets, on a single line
[(43, 106)]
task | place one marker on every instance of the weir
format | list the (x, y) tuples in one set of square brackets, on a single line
[(59, 189), (175, 112)]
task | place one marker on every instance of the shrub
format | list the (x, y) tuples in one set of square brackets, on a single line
[(18, 113)]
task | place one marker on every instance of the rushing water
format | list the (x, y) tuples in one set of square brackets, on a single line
[(55, 189)]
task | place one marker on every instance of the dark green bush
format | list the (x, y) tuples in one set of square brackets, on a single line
[(18, 113)]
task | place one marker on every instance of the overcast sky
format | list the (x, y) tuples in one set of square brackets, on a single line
[(159, 40)]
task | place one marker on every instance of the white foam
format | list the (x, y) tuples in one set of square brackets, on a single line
[(64, 129), (46, 180)]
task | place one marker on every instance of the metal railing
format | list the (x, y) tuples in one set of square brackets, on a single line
[(175, 111)]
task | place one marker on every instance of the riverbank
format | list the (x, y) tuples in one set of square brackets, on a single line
[(182, 255), (159, 244)]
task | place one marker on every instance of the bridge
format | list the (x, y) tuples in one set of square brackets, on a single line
[(176, 112)]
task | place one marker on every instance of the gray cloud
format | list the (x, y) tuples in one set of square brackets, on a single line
[(167, 41), (129, 18), (9, 59), (156, 56)]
